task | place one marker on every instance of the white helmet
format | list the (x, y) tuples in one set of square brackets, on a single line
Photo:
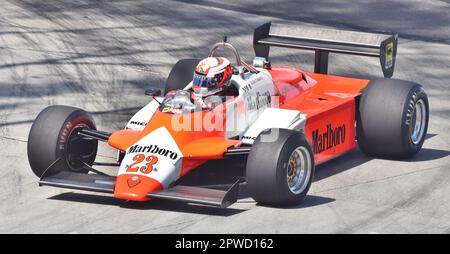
[(211, 75)]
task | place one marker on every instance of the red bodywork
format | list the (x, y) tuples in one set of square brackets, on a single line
[(330, 127), (331, 102)]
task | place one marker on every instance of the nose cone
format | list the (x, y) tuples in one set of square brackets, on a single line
[(135, 187)]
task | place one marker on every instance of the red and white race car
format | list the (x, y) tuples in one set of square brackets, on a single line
[(283, 119)]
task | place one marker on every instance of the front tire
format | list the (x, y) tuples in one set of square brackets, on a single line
[(53, 136), (280, 172), (393, 118)]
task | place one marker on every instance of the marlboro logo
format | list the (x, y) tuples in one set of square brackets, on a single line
[(155, 149), (328, 139)]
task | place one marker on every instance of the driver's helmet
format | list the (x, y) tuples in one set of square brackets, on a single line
[(211, 76)]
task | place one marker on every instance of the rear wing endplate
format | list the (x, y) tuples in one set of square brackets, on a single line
[(324, 40)]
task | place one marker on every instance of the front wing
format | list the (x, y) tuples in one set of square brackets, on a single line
[(105, 184)]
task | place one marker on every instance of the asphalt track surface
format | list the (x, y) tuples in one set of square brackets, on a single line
[(100, 55)]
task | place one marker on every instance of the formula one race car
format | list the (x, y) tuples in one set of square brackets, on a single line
[(283, 119)]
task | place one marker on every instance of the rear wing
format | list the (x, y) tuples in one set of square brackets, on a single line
[(324, 40)]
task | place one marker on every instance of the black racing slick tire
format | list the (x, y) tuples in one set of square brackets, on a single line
[(393, 118), (181, 74), (280, 170), (54, 138)]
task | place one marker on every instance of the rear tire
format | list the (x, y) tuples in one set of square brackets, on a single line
[(280, 172), (181, 74), (393, 118), (53, 136)]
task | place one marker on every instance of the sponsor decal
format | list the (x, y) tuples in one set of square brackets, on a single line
[(255, 80), (138, 123), (247, 88), (412, 106), (328, 139), (251, 82), (143, 164), (258, 101), (155, 149), (389, 56), (248, 137), (64, 135)]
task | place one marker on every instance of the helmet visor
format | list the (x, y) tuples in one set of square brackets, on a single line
[(201, 80)]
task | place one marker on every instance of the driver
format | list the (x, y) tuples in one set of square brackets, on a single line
[(212, 76), (211, 85)]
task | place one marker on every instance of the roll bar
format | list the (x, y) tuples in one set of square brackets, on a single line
[(227, 45)]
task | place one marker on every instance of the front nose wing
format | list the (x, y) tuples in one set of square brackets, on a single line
[(106, 184), (80, 181), (199, 195)]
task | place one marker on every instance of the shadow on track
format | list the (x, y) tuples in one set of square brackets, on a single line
[(162, 205), (309, 201)]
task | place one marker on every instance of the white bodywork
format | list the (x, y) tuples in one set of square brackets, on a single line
[(160, 142), (258, 97), (252, 111), (274, 118), (141, 118), (256, 93)]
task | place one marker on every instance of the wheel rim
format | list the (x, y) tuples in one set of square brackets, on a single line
[(299, 170), (417, 127)]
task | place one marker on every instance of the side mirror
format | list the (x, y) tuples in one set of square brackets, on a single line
[(153, 91)]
